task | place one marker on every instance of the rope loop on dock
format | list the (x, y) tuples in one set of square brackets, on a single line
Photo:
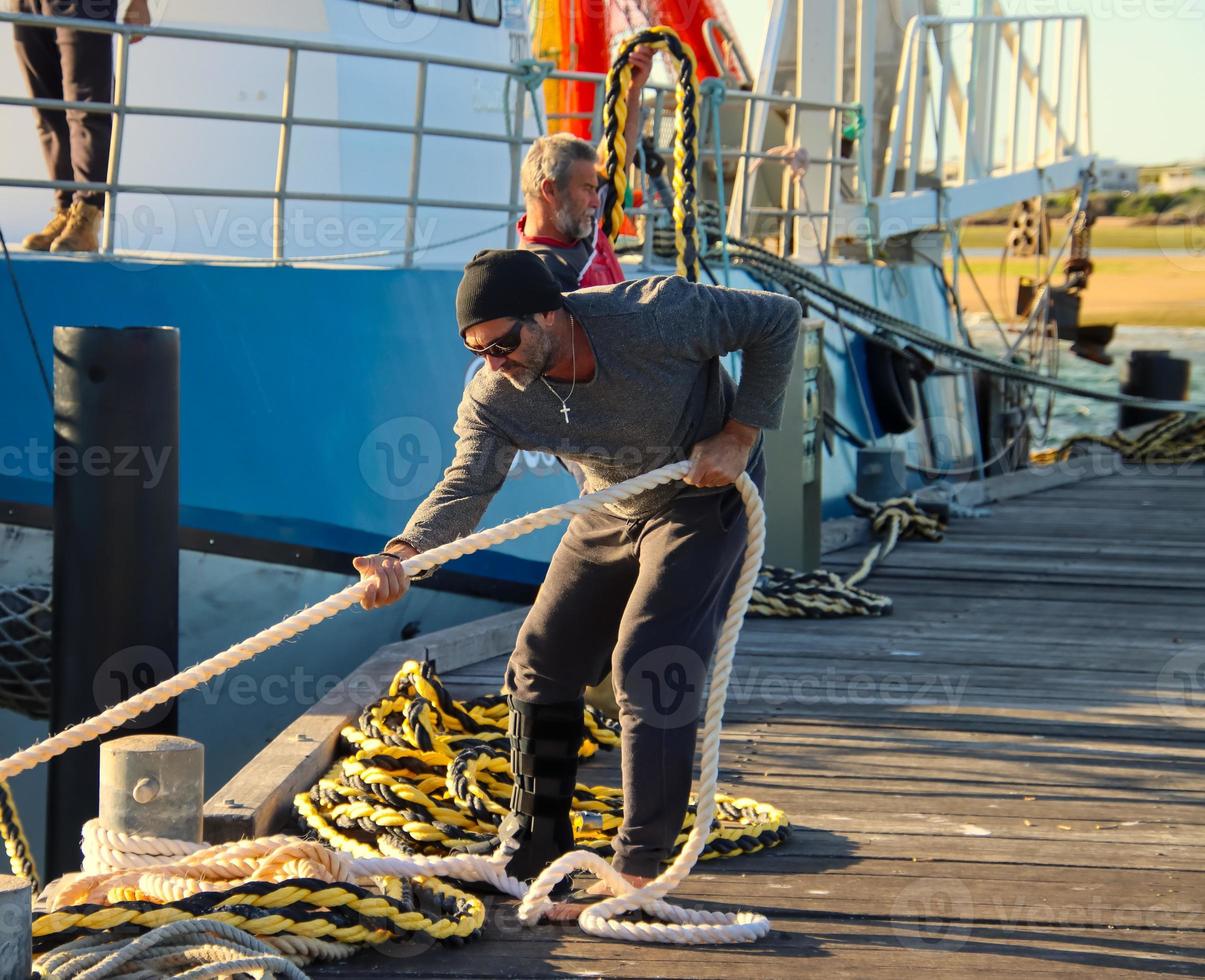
[(819, 594)]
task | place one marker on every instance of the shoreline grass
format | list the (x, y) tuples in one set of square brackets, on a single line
[(1157, 290), (1108, 232)]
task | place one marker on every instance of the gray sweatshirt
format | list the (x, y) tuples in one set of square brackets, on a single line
[(658, 388)]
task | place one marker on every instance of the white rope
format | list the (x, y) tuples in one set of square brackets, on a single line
[(110, 850), (203, 947), (299, 622), (680, 925)]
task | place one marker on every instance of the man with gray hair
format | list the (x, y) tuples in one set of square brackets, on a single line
[(561, 187)]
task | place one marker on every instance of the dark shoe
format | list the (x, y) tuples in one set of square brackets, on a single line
[(40, 241), (82, 231), (544, 740)]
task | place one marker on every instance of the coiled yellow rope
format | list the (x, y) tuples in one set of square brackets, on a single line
[(1178, 438), (686, 131), (428, 774), (16, 845), (271, 888)]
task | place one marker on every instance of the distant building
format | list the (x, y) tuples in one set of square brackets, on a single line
[(1114, 176), (1174, 179)]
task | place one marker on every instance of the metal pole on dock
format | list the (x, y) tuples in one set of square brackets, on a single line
[(16, 939), (793, 488), (116, 555)]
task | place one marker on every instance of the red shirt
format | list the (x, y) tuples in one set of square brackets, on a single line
[(577, 264)]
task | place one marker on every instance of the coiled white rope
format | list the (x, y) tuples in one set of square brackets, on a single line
[(680, 925), (110, 850), (194, 948)]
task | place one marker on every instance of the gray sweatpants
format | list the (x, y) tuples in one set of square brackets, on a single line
[(645, 600)]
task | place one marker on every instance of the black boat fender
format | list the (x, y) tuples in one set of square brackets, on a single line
[(893, 375)]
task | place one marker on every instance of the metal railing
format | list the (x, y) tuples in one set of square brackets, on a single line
[(789, 212), (952, 68), (791, 207), (287, 120)]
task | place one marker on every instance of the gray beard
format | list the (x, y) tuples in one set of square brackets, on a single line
[(572, 231), (523, 376)]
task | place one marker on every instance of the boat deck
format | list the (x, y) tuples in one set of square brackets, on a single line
[(1005, 777)]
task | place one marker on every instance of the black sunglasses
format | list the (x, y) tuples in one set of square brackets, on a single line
[(508, 343)]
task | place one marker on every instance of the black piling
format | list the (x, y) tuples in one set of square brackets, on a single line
[(116, 555), (1152, 374)]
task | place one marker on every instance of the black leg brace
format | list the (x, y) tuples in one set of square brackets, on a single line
[(544, 741)]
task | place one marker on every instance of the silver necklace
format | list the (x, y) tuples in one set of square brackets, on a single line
[(565, 410)]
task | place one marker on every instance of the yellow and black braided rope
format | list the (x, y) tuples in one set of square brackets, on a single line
[(306, 907), (428, 774), (16, 845), (819, 594), (1178, 438), (686, 132)]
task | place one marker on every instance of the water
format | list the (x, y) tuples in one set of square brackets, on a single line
[(1072, 416)]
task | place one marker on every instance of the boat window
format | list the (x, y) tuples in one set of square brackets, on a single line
[(449, 7), (486, 11), (478, 11)]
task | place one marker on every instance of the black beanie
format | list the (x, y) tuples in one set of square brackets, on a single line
[(502, 282)]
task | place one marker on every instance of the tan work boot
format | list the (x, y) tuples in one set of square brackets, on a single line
[(40, 241), (81, 233)]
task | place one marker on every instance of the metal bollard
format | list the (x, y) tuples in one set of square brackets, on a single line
[(1153, 374), (16, 937), (882, 473), (153, 785)]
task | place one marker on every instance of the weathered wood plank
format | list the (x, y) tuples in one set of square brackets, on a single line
[(1040, 814)]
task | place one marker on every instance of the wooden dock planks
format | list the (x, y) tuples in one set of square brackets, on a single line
[(1006, 776)]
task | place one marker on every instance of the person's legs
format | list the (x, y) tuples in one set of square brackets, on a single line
[(566, 641), (565, 644), (690, 558), (87, 72), (38, 56)]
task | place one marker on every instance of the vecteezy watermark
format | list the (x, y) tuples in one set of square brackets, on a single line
[(149, 227), (402, 458), (664, 687), (960, 11), (144, 229), (224, 232), (833, 687), (131, 671), (1181, 686), (1020, 911), (299, 687), (1180, 235), (399, 24), (38, 460), (933, 914)]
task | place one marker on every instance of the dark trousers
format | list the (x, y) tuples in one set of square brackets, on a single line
[(61, 63), (645, 600)]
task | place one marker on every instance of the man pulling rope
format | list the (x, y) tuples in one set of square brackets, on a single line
[(619, 379)]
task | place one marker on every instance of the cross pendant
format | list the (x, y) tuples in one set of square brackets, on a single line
[(565, 412)]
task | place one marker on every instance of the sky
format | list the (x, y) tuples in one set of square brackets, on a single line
[(1147, 69)]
